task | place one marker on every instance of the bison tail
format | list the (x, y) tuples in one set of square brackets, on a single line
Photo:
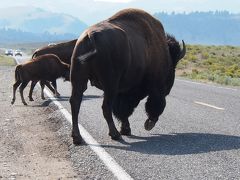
[(84, 57), (18, 73)]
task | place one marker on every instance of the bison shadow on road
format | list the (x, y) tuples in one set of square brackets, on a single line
[(180, 143), (64, 98), (46, 102)]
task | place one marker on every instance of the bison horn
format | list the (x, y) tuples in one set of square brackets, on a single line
[(87, 55), (183, 52)]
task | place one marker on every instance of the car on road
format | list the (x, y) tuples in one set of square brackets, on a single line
[(18, 53), (51, 44), (9, 52)]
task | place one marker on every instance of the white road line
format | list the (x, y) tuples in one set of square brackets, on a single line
[(16, 59), (111, 164), (208, 105), (204, 84)]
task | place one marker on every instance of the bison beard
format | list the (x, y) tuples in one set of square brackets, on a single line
[(129, 57)]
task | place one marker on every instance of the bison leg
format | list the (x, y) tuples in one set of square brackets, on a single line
[(42, 84), (154, 107), (31, 90), (107, 113), (47, 83), (15, 86), (78, 88), (123, 107), (23, 85), (56, 94), (125, 127)]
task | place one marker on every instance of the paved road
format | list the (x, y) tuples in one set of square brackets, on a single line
[(197, 136)]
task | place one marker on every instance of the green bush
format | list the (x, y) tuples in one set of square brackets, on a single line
[(192, 58), (183, 64), (205, 55), (219, 64)]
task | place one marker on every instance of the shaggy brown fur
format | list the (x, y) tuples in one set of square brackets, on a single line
[(128, 57), (47, 67), (63, 51)]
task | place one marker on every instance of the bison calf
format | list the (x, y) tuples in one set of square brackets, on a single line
[(46, 67), (62, 50)]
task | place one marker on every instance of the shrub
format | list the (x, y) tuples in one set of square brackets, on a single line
[(205, 55), (192, 58), (219, 64), (183, 64)]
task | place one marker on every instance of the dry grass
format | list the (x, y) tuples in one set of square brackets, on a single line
[(219, 64), (7, 61)]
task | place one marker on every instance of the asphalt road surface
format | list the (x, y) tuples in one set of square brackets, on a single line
[(196, 137)]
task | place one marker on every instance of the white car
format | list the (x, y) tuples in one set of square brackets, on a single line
[(18, 53), (9, 52), (51, 44)]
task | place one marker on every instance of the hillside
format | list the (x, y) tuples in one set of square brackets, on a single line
[(28, 24), (209, 28), (12, 36)]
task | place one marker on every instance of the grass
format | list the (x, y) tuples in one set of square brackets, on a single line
[(7, 61), (218, 64)]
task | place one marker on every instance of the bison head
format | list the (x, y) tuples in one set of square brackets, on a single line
[(175, 50), (176, 53)]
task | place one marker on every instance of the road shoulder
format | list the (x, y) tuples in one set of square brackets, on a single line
[(30, 147)]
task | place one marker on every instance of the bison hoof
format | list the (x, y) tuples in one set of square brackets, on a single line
[(125, 131), (25, 103), (149, 124), (116, 136), (77, 141), (12, 102), (31, 99)]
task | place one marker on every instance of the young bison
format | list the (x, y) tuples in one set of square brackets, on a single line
[(46, 67), (62, 50)]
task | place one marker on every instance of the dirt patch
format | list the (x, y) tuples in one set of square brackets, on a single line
[(30, 147)]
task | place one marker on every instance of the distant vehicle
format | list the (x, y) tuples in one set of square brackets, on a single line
[(18, 53), (9, 52), (51, 44)]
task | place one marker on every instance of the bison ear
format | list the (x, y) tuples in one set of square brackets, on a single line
[(86, 56)]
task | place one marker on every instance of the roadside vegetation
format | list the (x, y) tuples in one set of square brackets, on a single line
[(7, 61), (218, 64)]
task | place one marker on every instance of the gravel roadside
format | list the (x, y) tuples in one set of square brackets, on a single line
[(30, 147)]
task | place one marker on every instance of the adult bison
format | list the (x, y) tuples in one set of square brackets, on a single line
[(128, 57), (63, 51)]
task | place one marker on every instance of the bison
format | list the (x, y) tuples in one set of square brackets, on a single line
[(47, 67), (63, 51), (129, 57)]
